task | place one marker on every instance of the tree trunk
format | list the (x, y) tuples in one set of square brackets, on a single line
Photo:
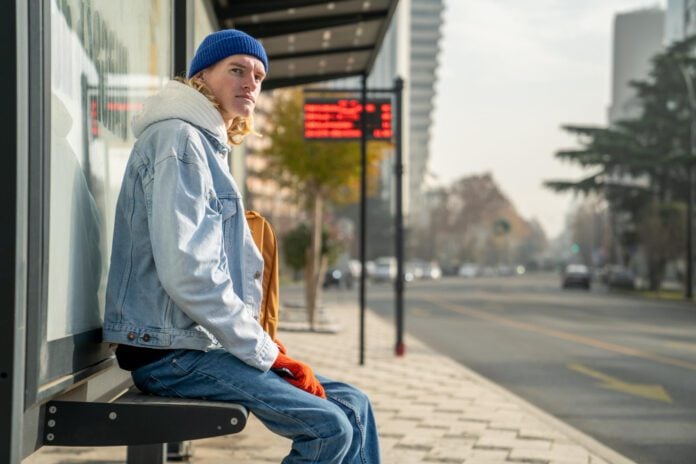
[(656, 273), (314, 262), (308, 288)]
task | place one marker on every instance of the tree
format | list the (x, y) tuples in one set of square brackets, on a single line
[(588, 227), (661, 231), (299, 239), (473, 221), (317, 171), (653, 147), (380, 230), (638, 162)]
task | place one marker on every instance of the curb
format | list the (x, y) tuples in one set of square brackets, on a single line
[(574, 434), (592, 445)]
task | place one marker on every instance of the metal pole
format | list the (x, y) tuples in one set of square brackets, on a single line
[(400, 348), (180, 13), (14, 25), (690, 210), (363, 212), (688, 291)]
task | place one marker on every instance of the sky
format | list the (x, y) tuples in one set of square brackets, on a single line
[(511, 73)]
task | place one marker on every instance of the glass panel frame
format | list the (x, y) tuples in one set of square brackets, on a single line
[(56, 361)]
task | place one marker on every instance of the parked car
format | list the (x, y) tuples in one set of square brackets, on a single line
[(413, 269), (620, 278), (411, 272), (450, 270), (384, 270), (469, 270), (338, 278), (576, 275), (354, 267), (421, 269), (432, 270), (342, 274)]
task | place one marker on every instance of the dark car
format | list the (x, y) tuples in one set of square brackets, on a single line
[(338, 278), (621, 278), (577, 275)]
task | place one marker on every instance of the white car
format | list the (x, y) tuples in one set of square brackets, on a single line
[(469, 270), (432, 270), (385, 269)]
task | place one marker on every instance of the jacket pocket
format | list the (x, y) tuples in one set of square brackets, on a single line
[(228, 207)]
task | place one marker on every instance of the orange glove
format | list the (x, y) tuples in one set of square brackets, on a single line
[(298, 374)]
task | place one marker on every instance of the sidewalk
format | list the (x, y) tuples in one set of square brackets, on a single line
[(429, 408)]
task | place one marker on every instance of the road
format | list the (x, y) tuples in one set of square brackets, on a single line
[(620, 368)]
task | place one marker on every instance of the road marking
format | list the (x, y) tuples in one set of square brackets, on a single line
[(568, 336), (681, 345), (652, 392), (421, 312)]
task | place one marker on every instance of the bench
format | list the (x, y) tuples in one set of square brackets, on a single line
[(145, 423)]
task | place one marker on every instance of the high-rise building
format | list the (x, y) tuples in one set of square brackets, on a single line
[(680, 20), (638, 36), (426, 20)]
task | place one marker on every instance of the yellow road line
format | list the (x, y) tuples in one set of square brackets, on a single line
[(681, 345), (653, 392), (568, 336)]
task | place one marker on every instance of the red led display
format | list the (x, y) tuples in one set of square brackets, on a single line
[(339, 119)]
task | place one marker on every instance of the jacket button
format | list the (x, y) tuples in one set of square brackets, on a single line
[(257, 274), (146, 337), (131, 335)]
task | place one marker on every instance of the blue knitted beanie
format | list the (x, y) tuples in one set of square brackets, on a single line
[(221, 44)]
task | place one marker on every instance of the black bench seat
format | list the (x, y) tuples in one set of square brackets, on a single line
[(135, 418)]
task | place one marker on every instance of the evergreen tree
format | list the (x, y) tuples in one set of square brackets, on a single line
[(640, 165)]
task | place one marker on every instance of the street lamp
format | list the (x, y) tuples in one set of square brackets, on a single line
[(688, 294)]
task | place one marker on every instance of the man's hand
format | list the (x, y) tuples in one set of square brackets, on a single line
[(298, 374)]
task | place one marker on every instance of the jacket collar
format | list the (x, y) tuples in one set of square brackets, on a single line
[(179, 101)]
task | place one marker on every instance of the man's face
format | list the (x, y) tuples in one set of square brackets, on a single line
[(236, 83)]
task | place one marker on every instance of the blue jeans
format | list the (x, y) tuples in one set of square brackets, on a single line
[(341, 429)]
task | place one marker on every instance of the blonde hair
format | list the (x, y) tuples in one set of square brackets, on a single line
[(241, 125)]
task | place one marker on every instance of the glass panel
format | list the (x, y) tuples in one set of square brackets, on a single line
[(106, 58), (204, 22)]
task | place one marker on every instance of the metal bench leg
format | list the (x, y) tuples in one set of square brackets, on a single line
[(147, 454), (179, 451)]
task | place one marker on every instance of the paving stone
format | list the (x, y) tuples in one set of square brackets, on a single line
[(490, 436), (514, 443), (412, 410), (597, 460), (421, 438), (450, 450), (403, 456), (397, 426), (59, 454), (490, 455), (386, 443), (430, 425), (468, 427), (529, 455)]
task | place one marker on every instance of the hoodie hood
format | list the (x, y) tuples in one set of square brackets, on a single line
[(179, 101)]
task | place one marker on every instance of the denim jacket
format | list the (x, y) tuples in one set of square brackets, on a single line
[(185, 272)]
